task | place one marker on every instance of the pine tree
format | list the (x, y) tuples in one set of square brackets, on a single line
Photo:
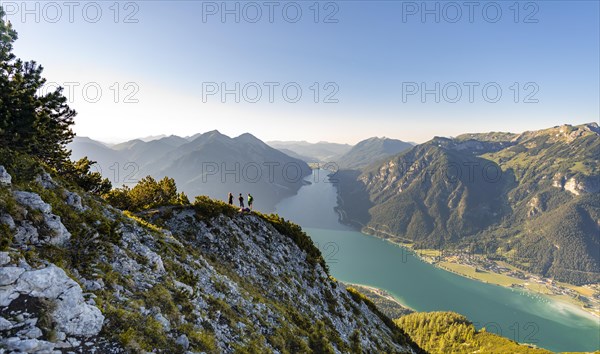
[(80, 173), (34, 122), (182, 199)]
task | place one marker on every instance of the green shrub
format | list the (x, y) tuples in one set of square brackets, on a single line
[(135, 331), (230, 315), (254, 346), (45, 321), (6, 237), (23, 168), (147, 194), (207, 208), (287, 340), (317, 340), (143, 222), (331, 302), (355, 346), (119, 198), (181, 274), (200, 340), (449, 332), (159, 296)]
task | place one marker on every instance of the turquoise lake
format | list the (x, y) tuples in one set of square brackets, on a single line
[(354, 257)]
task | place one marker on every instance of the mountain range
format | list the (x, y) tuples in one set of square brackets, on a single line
[(78, 275), (214, 164), (209, 164), (530, 199)]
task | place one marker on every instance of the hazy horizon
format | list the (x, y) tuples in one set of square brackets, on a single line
[(162, 135), (150, 68)]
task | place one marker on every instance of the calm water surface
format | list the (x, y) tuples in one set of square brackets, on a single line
[(358, 258)]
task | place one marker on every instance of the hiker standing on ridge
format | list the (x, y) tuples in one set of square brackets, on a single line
[(241, 199), (250, 200), (230, 197)]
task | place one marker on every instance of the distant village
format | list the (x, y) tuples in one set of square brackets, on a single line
[(546, 286)]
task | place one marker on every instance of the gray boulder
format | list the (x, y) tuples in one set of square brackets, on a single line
[(75, 201), (45, 180), (31, 333), (72, 314), (183, 341), (32, 201), (93, 285), (9, 275), (18, 345), (27, 233), (5, 178), (60, 233), (4, 324), (4, 258), (163, 321), (7, 220)]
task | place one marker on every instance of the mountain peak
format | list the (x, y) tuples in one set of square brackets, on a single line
[(213, 133), (593, 127), (370, 151), (129, 144), (152, 137), (249, 138), (85, 139), (208, 136)]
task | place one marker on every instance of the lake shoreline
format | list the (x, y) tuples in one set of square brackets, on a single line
[(454, 265), (354, 257), (381, 292), (517, 283), (383, 299)]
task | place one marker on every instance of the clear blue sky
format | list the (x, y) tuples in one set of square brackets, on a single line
[(373, 54)]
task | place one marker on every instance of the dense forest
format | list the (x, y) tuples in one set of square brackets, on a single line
[(448, 332)]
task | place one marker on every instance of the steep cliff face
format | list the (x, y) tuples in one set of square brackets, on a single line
[(78, 275)]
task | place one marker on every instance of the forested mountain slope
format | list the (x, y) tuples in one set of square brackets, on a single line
[(530, 198)]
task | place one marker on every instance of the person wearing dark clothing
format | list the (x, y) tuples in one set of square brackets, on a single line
[(230, 197), (250, 201), (241, 199)]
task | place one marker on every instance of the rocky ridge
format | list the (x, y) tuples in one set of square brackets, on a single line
[(77, 275)]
